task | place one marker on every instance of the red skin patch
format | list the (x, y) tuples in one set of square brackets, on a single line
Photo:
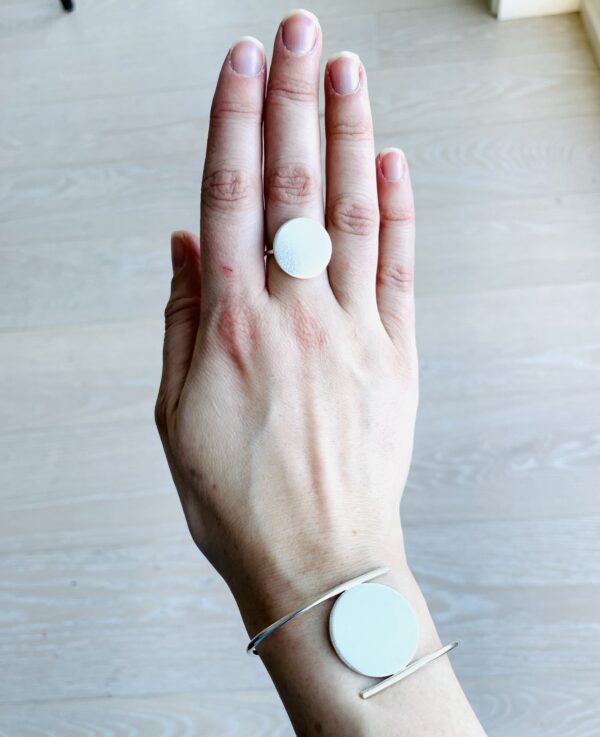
[(237, 329), (308, 331)]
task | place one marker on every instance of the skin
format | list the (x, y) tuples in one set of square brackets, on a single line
[(287, 407)]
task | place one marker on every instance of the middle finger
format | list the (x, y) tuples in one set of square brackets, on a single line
[(292, 139)]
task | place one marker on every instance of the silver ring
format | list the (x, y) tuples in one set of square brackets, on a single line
[(301, 248)]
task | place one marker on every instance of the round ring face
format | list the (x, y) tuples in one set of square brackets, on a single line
[(374, 630), (302, 248)]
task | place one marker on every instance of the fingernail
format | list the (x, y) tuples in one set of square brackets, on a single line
[(393, 164), (178, 252), (247, 56), (344, 72), (299, 31)]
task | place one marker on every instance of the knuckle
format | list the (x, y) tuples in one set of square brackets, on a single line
[(224, 110), (293, 184), (397, 275), (286, 89), (227, 189), (398, 320), (392, 214), (181, 310), (236, 326), (354, 216), (309, 334), (343, 129)]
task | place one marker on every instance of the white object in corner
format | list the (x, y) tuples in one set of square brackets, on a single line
[(512, 9), (590, 12)]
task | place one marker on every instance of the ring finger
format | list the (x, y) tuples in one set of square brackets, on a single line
[(352, 206)]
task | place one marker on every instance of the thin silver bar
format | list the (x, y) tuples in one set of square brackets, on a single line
[(414, 666), (257, 639)]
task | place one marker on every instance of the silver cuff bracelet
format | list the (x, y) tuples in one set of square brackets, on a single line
[(373, 629)]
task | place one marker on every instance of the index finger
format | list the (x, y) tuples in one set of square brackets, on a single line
[(231, 219)]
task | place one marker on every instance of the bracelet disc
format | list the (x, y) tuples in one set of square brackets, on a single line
[(374, 630)]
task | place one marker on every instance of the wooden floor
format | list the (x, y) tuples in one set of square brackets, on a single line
[(110, 622)]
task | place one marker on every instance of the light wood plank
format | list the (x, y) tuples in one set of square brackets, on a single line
[(499, 162), (119, 65), (467, 32), (455, 476), (110, 371), (487, 246), (259, 714), (38, 24), (477, 575), (552, 709), (81, 131)]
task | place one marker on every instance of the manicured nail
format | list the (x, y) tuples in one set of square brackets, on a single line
[(344, 72), (299, 31), (178, 251), (247, 56), (393, 164)]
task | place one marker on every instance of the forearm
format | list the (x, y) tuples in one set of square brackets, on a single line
[(321, 695)]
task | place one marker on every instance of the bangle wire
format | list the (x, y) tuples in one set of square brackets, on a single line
[(339, 589), (366, 693)]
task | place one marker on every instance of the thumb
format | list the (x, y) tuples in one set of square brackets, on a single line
[(182, 315)]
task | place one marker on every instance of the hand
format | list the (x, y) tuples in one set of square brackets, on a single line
[(287, 406)]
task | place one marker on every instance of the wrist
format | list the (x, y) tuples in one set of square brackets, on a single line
[(301, 651)]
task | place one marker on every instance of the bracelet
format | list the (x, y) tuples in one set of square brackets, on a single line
[(372, 628)]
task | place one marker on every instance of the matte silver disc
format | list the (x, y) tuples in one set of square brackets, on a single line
[(374, 630), (302, 248)]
